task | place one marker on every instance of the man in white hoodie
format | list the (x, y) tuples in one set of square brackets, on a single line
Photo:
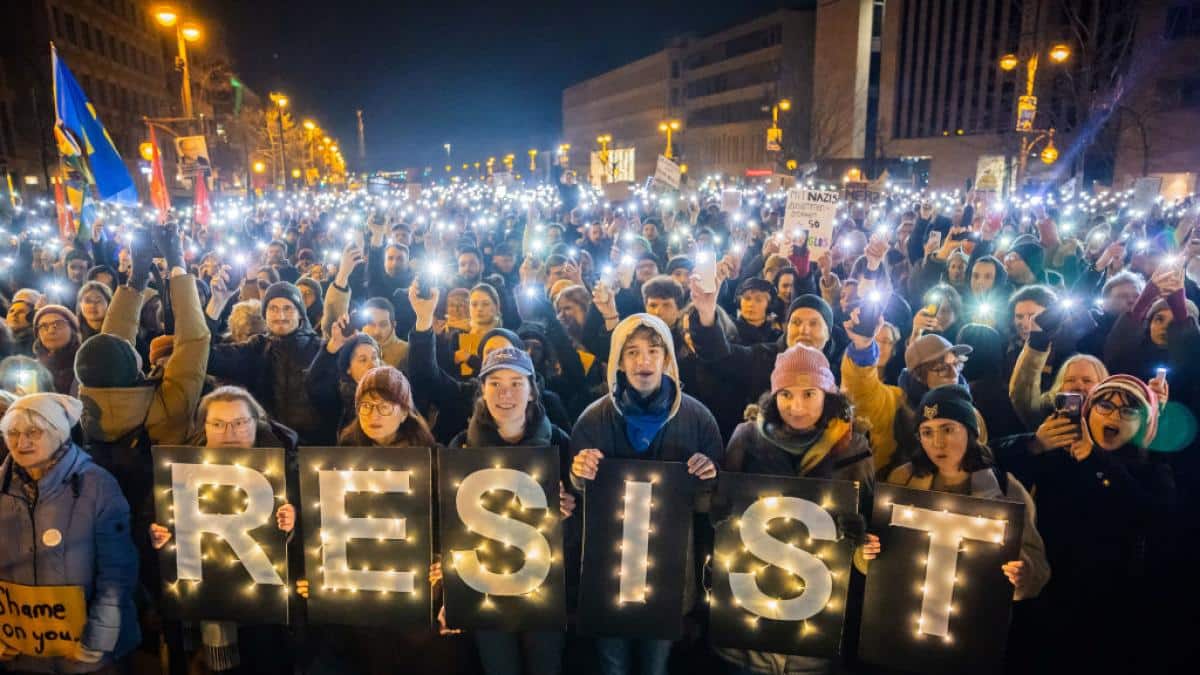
[(645, 415)]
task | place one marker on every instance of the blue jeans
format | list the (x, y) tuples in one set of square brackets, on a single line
[(618, 656), (535, 652)]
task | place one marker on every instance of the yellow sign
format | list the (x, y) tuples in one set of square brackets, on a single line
[(41, 620), (1026, 111)]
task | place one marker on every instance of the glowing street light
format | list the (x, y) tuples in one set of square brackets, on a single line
[(190, 31), (1060, 52), (1009, 62), (667, 127), (168, 17)]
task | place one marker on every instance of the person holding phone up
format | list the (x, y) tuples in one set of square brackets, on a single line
[(1104, 509)]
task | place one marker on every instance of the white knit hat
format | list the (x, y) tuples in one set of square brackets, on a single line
[(61, 412)]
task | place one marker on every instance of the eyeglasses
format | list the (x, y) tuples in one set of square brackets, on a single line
[(947, 369), (239, 424), (1128, 413), (383, 408), (13, 437), (48, 326)]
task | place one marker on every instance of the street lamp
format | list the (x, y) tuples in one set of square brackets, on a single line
[(532, 160), (260, 167), (1049, 153), (775, 134), (667, 127), (281, 102), (1027, 107), (168, 17), (508, 161), (604, 140)]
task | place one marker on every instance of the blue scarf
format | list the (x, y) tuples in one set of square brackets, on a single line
[(644, 416)]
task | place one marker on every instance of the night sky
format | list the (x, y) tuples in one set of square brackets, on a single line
[(486, 77)]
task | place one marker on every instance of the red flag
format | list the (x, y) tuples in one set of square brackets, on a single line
[(66, 225), (158, 185), (201, 210)]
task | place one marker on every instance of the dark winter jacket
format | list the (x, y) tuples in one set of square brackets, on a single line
[(272, 369)]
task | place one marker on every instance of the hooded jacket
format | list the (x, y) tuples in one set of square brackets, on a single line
[(689, 428), (84, 504)]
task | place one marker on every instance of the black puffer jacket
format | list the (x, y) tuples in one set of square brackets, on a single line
[(272, 369)]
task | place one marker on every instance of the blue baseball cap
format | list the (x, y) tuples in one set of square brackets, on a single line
[(510, 358)]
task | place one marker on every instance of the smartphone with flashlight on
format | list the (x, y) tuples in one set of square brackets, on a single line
[(706, 269), (869, 309), (935, 236), (428, 279), (1069, 405)]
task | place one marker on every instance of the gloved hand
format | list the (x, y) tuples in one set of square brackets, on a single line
[(142, 253), (166, 240), (851, 526)]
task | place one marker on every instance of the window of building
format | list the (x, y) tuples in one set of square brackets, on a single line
[(69, 22), (746, 76), (7, 133), (86, 32), (112, 48), (59, 31)]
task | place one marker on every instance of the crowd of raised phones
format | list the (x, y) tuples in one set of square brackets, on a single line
[(1056, 339)]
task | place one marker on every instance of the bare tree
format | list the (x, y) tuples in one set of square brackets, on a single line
[(1087, 93)]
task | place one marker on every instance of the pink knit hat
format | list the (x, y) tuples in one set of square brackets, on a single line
[(1137, 390), (802, 366)]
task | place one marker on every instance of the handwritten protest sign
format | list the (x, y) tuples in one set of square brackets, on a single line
[(814, 211), (667, 173), (41, 620)]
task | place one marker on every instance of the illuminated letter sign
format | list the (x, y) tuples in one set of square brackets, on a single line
[(781, 566), (501, 538), (637, 530)]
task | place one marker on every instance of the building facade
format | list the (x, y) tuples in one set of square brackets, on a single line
[(115, 50), (1161, 112), (722, 88)]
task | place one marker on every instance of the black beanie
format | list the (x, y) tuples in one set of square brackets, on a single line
[(1033, 254), (513, 339), (952, 402), (105, 360), (814, 302), (288, 291)]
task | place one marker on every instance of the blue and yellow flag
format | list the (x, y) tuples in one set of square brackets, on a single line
[(82, 140)]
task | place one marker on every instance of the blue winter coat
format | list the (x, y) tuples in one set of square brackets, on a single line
[(95, 551)]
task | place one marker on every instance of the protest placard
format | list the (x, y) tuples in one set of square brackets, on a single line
[(227, 558), (813, 211), (781, 567), (502, 558), (42, 621), (367, 534), (637, 529), (936, 599)]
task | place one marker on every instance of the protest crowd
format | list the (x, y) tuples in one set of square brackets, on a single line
[(1040, 350)]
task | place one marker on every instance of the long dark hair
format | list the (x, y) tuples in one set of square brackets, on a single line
[(977, 457), (837, 406)]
